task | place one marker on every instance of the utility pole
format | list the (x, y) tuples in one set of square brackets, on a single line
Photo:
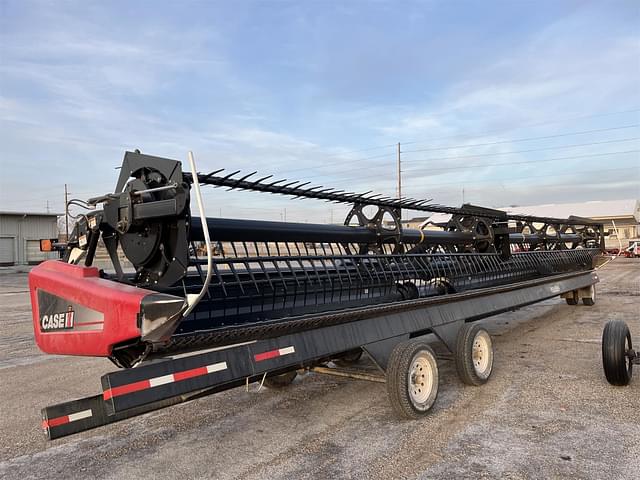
[(399, 179), (66, 212), (285, 214), (48, 211)]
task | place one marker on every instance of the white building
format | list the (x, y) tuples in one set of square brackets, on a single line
[(20, 235)]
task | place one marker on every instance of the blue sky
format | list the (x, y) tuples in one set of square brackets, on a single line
[(541, 100)]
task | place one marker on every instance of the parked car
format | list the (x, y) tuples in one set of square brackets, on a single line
[(633, 250)]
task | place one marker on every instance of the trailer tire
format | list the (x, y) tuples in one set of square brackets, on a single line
[(573, 299), (591, 300), (474, 354), (280, 381), (616, 341), (350, 358), (412, 379)]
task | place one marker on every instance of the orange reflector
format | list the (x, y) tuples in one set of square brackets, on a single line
[(46, 245)]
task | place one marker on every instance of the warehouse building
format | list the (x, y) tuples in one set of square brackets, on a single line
[(20, 234), (414, 222)]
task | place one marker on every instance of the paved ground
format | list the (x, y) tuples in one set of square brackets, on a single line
[(547, 411)]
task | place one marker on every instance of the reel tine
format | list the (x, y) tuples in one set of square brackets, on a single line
[(247, 176), (273, 184), (230, 175), (240, 180), (260, 180), (209, 175), (301, 185)]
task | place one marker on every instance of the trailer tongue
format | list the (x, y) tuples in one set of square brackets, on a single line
[(275, 296)]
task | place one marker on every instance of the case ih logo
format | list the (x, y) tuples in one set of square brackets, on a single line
[(57, 321)]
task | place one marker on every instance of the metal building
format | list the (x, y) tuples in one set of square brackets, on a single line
[(20, 234)]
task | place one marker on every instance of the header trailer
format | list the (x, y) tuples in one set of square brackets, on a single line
[(203, 303)]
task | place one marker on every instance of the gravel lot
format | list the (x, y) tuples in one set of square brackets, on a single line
[(547, 411)]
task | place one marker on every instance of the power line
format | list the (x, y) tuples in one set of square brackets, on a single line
[(573, 157), (545, 137), (484, 165), (501, 181), (389, 155), (492, 154), (342, 162), (484, 134), (480, 135), (527, 177), (351, 181), (545, 185), (362, 150), (330, 155), (537, 124), (549, 185)]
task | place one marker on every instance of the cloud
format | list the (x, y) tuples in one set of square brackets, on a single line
[(301, 90)]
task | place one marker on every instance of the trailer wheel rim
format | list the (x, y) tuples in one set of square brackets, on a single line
[(482, 354), (420, 379)]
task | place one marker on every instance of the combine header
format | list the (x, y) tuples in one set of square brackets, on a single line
[(212, 303)]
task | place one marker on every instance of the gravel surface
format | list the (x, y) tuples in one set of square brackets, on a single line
[(547, 411)]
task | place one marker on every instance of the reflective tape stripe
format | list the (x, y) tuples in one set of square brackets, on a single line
[(156, 382), (80, 415), (216, 367), (124, 389), (72, 417), (287, 350), (194, 372), (163, 380), (259, 357), (55, 422)]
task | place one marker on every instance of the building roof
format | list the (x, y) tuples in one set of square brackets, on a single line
[(596, 209), (32, 214)]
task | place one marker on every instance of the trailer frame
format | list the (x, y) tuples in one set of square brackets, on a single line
[(162, 381)]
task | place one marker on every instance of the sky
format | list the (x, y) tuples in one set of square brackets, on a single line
[(494, 103)]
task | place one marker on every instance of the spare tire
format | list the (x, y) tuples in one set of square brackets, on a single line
[(616, 344)]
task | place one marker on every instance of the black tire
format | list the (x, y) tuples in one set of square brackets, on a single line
[(616, 341), (412, 379), (474, 354), (280, 381), (573, 299), (349, 358), (590, 301)]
